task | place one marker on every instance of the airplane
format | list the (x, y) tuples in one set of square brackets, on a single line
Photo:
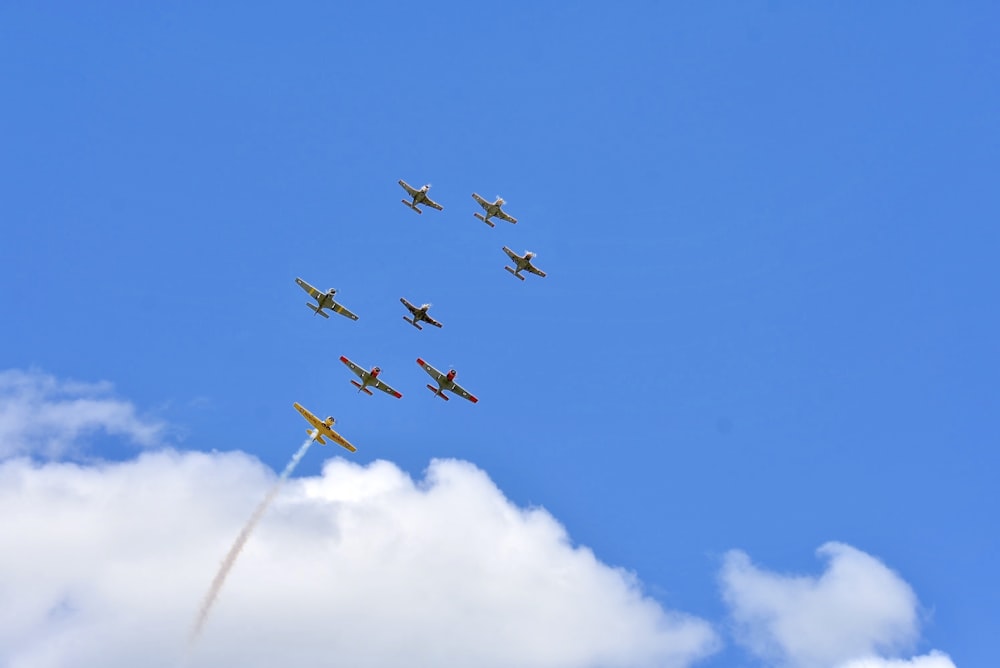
[(323, 428), (522, 263), (324, 300), (419, 197), (445, 382), (418, 314), (368, 378), (492, 209)]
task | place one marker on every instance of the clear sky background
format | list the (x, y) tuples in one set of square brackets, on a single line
[(770, 231)]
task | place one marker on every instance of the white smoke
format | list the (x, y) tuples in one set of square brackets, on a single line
[(241, 539)]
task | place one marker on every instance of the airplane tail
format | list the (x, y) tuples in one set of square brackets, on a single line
[(361, 388), (316, 310), (514, 273), (437, 392), (412, 322), (480, 217), (316, 436), (409, 204)]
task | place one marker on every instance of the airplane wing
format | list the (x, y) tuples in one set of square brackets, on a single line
[(431, 321), (483, 203), (358, 371), (408, 188), (308, 288), (460, 391), (509, 219), (511, 254), (535, 270), (431, 203), (431, 371), (411, 307), (343, 311), (388, 390), (337, 438), (310, 418)]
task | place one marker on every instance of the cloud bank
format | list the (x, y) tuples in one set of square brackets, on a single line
[(105, 564), (854, 613), (360, 566), (932, 660), (41, 415)]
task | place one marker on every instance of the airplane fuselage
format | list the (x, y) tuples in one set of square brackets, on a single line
[(325, 300), (368, 377)]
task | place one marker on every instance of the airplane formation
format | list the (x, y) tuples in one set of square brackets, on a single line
[(371, 377)]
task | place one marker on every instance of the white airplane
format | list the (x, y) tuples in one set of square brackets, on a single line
[(492, 209), (418, 314), (368, 378), (322, 428), (419, 196), (446, 383), (324, 300), (522, 263)]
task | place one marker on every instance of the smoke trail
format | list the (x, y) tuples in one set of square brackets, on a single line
[(234, 551)]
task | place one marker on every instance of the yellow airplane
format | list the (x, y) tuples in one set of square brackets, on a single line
[(322, 428)]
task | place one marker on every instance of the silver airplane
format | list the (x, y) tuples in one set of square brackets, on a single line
[(324, 300), (492, 209), (369, 378), (419, 196), (418, 313), (446, 383), (522, 263)]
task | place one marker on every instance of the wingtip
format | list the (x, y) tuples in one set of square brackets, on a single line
[(344, 359), (474, 400), (421, 362)]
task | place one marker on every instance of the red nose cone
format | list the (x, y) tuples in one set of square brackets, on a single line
[(452, 374), (375, 372)]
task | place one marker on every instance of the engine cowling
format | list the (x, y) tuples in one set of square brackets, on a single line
[(451, 374)]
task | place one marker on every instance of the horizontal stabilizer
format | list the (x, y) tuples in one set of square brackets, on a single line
[(316, 436), (361, 387), (435, 391), (409, 204), (480, 217), (412, 322), (317, 310), (514, 273)]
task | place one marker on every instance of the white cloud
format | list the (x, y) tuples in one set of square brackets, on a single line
[(932, 660), (857, 608), (44, 416), (360, 566)]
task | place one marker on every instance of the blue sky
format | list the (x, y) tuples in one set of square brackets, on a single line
[(770, 233)]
